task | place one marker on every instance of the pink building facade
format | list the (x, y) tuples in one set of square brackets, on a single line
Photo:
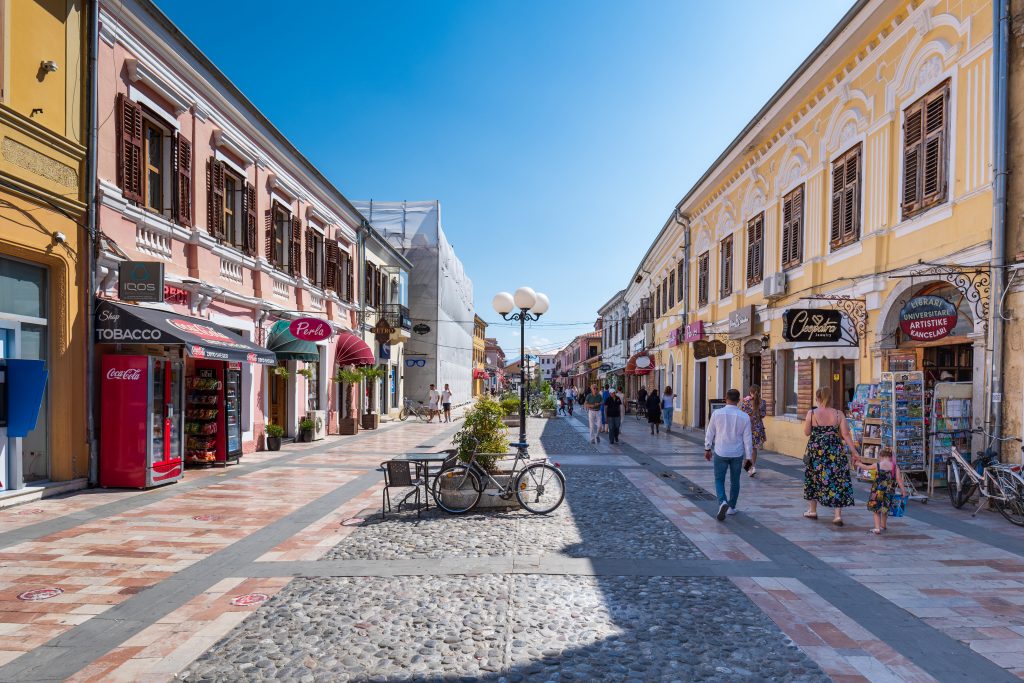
[(250, 235)]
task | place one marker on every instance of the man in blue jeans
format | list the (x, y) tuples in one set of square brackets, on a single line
[(728, 435)]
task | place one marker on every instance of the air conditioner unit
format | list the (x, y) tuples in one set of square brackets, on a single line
[(319, 418), (775, 285), (648, 334)]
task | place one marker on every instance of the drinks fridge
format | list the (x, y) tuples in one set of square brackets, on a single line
[(213, 430), (233, 410), (141, 421)]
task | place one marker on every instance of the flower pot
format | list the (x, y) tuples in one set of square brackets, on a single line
[(306, 436), (547, 413), (348, 426), (273, 443), (371, 421)]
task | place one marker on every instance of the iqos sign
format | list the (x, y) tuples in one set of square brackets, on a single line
[(140, 281), (310, 329)]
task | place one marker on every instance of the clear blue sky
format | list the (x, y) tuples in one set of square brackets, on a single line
[(557, 134)]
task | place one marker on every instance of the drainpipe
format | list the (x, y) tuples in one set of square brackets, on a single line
[(91, 252), (1001, 42), (684, 220)]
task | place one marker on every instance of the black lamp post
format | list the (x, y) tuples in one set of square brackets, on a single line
[(532, 305)]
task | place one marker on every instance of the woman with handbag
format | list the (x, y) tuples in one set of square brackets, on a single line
[(654, 411), (826, 462), (754, 406)]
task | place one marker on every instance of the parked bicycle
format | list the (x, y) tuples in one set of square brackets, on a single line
[(539, 486), (639, 410), (410, 407), (993, 481)]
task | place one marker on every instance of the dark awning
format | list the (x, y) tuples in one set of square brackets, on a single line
[(118, 323), (287, 347)]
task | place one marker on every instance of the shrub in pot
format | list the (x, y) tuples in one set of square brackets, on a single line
[(484, 431), (274, 434), (306, 427), (510, 405)]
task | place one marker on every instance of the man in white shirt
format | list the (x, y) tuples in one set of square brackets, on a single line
[(446, 403), (433, 401), (728, 436)]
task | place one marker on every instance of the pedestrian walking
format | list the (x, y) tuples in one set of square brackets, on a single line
[(604, 418), (888, 476), (754, 406), (641, 397), (728, 439), (433, 402), (613, 411), (654, 411), (561, 402), (446, 403), (593, 405), (826, 462), (667, 408), (570, 400)]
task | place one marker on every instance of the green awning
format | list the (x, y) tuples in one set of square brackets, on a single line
[(283, 343)]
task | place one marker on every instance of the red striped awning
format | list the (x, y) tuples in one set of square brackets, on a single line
[(479, 373), (352, 350), (643, 368)]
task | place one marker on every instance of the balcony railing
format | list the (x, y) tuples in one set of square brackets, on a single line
[(397, 316)]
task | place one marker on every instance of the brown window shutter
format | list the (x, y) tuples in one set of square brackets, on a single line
[(703, 262), (311, 236), (933, 175), (350, 279), (726, 267), (835, 233), (755, 250), (295, 250), (804, 385), (183, 180), (792, 228), (851, 200), (912, 139), (129, 149), (680, 285), (249, 211), (268, 237), (331, 265), (768, 380), (215, 198), (671, 288)]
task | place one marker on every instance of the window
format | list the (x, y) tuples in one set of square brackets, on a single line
[(152, 176), (232, 230), (845, 199), (280, 237), (671, 289), (755, 250), (793, 228), (703, 274), (315, 259), (925, 152), (790, 382), (313, 386), (679, 281), (726, 270), (657, 301)]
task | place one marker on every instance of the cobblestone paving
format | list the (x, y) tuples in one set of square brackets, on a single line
[(554, 436), (604, 516), (507, 628)]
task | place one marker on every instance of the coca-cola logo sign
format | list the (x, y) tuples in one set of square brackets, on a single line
[(198, 329), (126, 375), (310, 329)]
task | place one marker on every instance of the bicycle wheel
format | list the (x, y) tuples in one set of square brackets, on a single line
[(958, 483), (540, 488), (403, 414), (534, 409), (457, 489), (421, 414), (1010, 502)]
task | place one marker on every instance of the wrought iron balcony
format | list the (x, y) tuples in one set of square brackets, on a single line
[(397, 316)]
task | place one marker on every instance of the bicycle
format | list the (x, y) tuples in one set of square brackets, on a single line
[(539, 486), (410, 407), (639, 411), (1002, 484)]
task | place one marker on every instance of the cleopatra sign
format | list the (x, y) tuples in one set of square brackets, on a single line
[(925, 318)]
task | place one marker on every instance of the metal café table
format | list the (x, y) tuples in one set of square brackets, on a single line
[(426, 459)]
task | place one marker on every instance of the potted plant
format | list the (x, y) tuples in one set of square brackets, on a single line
[(510, 409), (274, 433), (281, 371), (483, 429), (548, 406), (345, 378), (371, 373), (307, 373), (306, 426)]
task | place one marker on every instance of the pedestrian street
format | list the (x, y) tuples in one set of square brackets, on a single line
[(291, 573)]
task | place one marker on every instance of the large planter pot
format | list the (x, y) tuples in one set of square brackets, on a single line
[(306, 436), (511, 421), (488, 501), (371, 421), (273, 443), (548, 413), (348, 426)]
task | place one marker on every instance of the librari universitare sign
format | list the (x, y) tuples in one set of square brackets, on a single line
[(818, 325), (925, 318)]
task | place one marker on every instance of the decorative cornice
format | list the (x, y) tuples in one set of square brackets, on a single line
[(139, 73)]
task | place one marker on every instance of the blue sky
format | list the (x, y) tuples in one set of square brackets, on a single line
[(557, 134)]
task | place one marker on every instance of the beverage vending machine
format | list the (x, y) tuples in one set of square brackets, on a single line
[(213, 430), (141, 424)]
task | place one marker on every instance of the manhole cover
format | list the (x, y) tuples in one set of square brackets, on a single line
[(32, 511), (353, 521), (204, 518), (250, 599), (40, 594)]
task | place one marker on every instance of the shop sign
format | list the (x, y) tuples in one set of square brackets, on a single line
[(741, 323), (140, 281), (385, 351), (708, 349), (693, 332), (310, 329), (818, 325), (421, 328), (673, 337), (925, 318), (175, 295)]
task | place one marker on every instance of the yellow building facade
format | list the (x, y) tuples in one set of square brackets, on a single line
[(865, 182), (479, 355), (43, 244)]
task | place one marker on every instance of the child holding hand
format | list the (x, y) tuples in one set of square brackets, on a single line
[(888, 477)]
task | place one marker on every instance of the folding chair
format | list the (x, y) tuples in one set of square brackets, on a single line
[(400, 474)]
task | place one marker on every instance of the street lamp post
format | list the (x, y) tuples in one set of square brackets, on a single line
[(532, 305)]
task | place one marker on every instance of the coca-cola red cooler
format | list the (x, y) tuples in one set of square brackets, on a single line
[(141, 414)]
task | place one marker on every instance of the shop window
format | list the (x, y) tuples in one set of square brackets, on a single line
[(845, 227), (703, 275), (755, 250), (726, 267), (787, 367), (313, 386), (925, 152), (22, 289), (793, 228)]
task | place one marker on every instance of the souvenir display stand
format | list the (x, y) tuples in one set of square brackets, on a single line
[(951, 426), (902, 411)]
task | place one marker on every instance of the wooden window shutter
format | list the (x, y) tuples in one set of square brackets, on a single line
[(703, 262), (804, 385), (755, 250), (671, 288), (680, 285), (792, 228), (129, 149), (182, 180), (350, 279), (249, 211), (933, 173), (268, 237), (835, 234), (295, 250), (331, 265), (768, 380), (215, 198), (845, 227), (657, 302), (912, 139), (311, 236), (726, 269)]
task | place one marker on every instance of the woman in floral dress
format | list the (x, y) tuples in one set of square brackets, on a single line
[(756, 408), (826, 463)]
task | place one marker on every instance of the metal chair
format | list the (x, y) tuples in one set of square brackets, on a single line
[(401, 474)]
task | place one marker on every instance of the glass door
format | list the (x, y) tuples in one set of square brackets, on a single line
[(165, 411), (232, 412), (6, 351)]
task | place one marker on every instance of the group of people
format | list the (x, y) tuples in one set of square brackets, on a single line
[(659, 409), (438, 401), (735, 433)]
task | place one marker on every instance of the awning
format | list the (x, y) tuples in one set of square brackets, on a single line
[(633, 367), (286, 346), (353, 351), (480, 374), (118, 323), (826, 352)]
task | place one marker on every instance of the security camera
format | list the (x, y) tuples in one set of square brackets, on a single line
[(60, 238), (49, 66)]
